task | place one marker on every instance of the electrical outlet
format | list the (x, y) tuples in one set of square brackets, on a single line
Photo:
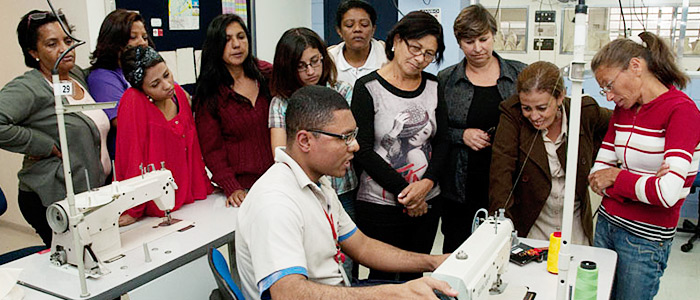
[(545, 16), (543, 44)]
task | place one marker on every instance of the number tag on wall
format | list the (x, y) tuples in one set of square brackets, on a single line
[(63, 88)]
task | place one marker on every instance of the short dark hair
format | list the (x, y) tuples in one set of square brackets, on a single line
[(416, 25), (285, 77), (28, 33), (115, 33), (137, 60), (350, 4), (312, 107), (474, 21)]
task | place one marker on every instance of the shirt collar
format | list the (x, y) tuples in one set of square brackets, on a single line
[(342, 65), (505, 70), (302, 179), (564, 129)]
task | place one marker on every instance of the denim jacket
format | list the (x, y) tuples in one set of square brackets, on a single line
[(459, 93)]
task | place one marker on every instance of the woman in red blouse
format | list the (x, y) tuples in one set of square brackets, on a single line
[(231, 107), (156, 125)]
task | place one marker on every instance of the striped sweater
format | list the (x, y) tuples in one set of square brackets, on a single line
[(638, 142)]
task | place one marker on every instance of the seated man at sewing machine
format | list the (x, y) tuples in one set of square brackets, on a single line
[(292, 227)]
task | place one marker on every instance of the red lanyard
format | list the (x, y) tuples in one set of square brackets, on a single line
[(339, 256)]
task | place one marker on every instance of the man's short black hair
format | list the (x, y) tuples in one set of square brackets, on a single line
[(311, 107)]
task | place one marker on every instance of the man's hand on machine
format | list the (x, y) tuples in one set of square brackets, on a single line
[(425, 288)]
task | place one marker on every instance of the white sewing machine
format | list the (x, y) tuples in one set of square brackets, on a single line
[(100, 209), (476, 266)]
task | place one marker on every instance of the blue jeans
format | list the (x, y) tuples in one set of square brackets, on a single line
[(640, 262)]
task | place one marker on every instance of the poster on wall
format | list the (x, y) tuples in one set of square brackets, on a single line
[(435, 12), (183, 14), (239, 7)]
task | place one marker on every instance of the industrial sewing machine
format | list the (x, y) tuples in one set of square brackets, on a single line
[(475, 268), (98, 220)]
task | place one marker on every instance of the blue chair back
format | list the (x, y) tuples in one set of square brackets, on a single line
[(3, 203), (222, 275)]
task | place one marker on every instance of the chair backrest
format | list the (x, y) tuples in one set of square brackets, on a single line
[(222, 275), (3, 203)]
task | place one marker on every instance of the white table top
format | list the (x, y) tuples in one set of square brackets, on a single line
[(214, 225), (535, 276)]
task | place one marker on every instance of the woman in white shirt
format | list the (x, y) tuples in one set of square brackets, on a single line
[(359, 54)]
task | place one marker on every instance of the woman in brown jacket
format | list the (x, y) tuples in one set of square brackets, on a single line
[(531, 139)]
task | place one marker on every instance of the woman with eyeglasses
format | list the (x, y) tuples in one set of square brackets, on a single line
[(231, 103), (120, 29), (28, 122), (529, 155), (654, 126), (473, 89), (301, 59), (402, 119)]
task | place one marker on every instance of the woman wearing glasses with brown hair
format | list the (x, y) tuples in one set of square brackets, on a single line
[(301, 59), (403, 141), (28, 122)]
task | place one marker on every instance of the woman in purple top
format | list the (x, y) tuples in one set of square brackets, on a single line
[(120, 29)]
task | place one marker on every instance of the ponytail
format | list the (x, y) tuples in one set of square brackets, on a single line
[(661, 61)]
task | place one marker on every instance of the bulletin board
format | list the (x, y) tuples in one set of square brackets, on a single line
[(174, 39)]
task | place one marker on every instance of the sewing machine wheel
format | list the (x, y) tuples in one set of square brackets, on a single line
[(57, 218)]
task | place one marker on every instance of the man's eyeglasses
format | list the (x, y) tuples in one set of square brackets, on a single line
[(417, 50), (348, 138), (608, 87), (315, 62), (42, 15)]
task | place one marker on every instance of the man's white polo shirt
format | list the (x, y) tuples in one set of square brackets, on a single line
[(282, 229), (350, 74)]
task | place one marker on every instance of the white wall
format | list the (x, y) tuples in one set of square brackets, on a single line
[(273, 18), (82, 14), (689, 63), (449, 9)]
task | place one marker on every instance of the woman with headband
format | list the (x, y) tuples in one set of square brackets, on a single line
[(156, 125), (655, 127), (28, 121), (529, 155)]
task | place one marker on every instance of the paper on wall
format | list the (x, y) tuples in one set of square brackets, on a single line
[(185, 66), (198, 62), (170, 58), (183, 14)]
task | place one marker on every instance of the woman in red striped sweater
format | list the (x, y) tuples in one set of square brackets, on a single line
[(653, 125)]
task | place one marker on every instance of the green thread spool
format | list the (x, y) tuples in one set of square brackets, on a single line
[(586, 281)]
